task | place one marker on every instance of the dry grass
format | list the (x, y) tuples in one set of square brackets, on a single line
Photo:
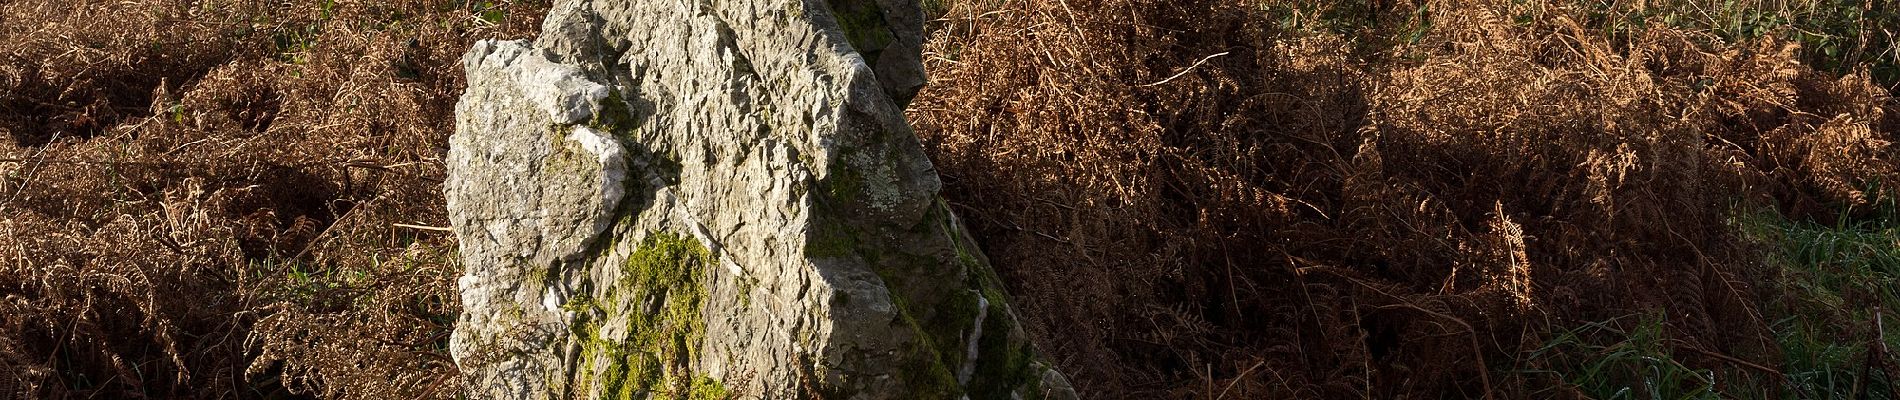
[(1401, 210), (198, 196)]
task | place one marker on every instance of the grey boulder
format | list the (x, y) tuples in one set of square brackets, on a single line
[(717, 199)]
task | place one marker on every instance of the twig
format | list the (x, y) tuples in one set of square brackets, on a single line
[(1736, 361), (1876, 357), (57, 161), (423, 227), (378, 167), (390, 168), (1880, 330), (1210, 378), (1197, 64), (40, 155), (1039, 233), (1243, 375), (323, 236)]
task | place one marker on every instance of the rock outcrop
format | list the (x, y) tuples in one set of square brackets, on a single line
[(710, 199)]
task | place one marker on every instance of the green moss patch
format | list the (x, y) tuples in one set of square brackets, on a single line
[(658, 301)]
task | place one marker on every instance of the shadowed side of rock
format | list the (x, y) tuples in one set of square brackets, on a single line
[(717, 199)]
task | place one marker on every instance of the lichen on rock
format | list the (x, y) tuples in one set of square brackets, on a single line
[(717, 199)]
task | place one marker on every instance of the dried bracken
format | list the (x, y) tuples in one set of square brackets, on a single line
[(1201, 199), (201, 197)]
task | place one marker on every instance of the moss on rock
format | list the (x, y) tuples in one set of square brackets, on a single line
[(663, 325)]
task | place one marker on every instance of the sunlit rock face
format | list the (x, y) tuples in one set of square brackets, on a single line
[(716, 199)]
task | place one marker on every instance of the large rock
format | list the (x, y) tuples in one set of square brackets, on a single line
[(719, 198)]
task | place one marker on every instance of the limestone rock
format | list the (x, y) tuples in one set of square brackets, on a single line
[(710, 199)]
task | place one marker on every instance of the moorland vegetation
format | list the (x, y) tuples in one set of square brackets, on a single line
[(1187, 198)]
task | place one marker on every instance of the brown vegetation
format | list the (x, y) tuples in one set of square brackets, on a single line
[(199, 196), (1189, 198), (1213, 199)]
